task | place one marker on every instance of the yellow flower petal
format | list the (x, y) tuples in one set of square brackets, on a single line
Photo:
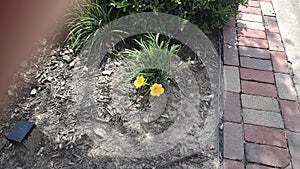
[(156, 90), (151, 52), (139, 82), (161, 44)]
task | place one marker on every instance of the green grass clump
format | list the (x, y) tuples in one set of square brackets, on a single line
[(151, 61), (84, 21)]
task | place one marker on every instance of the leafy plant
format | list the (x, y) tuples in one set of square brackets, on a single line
[(89, 15), (84, 20), (149, 64), (207, 14)]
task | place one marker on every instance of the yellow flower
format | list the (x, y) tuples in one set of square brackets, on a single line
[(156, 89), (139, 82), (161, 44), (151, 52)]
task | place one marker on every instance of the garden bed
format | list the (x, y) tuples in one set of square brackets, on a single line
[(89, 122), (66, 142)]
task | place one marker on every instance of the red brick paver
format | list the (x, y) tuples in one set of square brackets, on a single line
[(252, 33), (230, 164), (265, 135), (233, 141), (252, 10), (279, 61), (268, 155), (257, 166), (261, 89), (257, 75), (271, 24), (252, 3), (291, 114), (253, 42), (232, 108)]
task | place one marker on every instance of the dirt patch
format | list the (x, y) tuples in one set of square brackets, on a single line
[(120, 128), (113, 133)]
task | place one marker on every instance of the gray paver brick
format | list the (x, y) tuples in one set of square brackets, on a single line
[(254, 52), (264, 118), (232, 107), (249, 17), (298, 92), (231, 56), (294, 144), (232, 79), (274, 40), (256, 63), (260, 102), (250, 25), (267, 8), (285, 87), (233, 141), (229, 35)]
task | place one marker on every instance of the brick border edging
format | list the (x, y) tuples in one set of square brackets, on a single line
[(260, 109)]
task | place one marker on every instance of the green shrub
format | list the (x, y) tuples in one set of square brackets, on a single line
[(207, 14), (89, 15)]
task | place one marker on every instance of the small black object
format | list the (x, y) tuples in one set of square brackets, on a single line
[(20, 131)]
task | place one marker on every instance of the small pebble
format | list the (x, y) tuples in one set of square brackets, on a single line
[(221, 127), (100, 132), (67, 58), (73, 63), (43, 42), (107, 73), (10, 93), (24, 64), (85, 69), (50, 78), (39, 153), (33, 92), (13, 116)]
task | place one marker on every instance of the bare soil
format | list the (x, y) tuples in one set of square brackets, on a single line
[(114, 136)]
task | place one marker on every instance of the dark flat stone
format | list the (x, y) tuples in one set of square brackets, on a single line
[(20, 131)]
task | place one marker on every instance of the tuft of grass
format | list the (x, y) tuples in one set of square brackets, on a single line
[(150, 61), (84, 21)]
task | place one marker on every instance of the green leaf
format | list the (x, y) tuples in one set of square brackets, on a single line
[(165, 116), (71, 163)]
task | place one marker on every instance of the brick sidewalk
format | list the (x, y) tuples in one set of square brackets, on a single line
[(261, 116)]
